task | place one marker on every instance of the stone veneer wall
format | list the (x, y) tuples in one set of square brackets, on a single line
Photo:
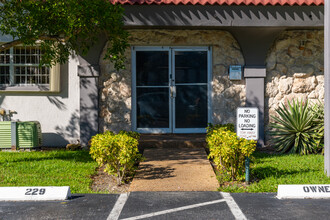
[(115, 97), (294, 70)]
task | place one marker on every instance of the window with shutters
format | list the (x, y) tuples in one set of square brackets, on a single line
[(20, 70)]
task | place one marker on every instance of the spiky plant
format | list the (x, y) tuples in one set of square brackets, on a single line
[(293, 129), (318, 110)]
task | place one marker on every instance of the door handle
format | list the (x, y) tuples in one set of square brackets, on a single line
[(173, 91)]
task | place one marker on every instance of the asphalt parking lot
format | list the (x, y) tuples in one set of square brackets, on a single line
[(169, 205)]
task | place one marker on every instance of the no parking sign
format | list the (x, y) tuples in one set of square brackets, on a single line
[(247, 123)]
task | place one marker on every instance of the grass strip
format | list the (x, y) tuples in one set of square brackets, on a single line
[(48, 168), (268, 171)]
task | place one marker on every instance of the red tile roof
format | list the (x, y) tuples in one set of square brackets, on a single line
[(222, 2)]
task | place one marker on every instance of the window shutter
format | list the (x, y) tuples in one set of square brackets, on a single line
[(55, 78)]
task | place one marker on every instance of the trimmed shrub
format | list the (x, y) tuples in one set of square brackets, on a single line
[(229, 151), (118, 153), (294, 130), (212, 127)]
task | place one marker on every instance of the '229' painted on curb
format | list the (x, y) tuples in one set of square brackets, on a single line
[(35, 191)]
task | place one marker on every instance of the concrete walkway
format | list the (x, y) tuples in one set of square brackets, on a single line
[(175, 169)]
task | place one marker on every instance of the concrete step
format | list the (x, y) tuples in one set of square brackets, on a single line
[(172, 140)]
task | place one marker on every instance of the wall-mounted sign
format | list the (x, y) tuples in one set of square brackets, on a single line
[(235, 72), (247, 123)]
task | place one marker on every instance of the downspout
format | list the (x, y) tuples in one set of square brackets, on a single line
[(326, 89)]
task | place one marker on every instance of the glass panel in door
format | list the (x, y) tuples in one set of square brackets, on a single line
[(152, 108), (152, 68), (190, 67), (152, 89), (191, 106), (191, 90)]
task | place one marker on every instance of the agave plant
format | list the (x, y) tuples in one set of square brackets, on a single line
[(293, 129), (318, 110)]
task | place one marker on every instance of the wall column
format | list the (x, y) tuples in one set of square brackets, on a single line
[(88, 102), (255, 95)]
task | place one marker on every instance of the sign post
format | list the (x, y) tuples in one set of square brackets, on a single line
[(247, 126)]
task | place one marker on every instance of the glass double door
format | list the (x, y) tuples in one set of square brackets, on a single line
[(170, 89)]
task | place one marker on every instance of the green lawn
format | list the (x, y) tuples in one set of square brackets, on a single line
[(48, 168), (74, 169), (268, 171)]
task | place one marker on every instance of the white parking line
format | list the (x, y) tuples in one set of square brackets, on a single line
[(175, 210), (115, 212), (237, 212)]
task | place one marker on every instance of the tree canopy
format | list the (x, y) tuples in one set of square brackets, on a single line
[(62, 27)]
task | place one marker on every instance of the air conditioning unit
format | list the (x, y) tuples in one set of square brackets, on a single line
[(22, 134), (28, 134), (5, 134)]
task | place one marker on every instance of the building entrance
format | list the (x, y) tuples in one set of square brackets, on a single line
[(170, 89)]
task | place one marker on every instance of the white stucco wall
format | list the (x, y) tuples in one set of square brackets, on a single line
[(58, 113)]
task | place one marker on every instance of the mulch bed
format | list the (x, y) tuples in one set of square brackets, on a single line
[(105, 183)]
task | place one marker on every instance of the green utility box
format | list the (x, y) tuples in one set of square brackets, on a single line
[(26, 134), (5, 134)]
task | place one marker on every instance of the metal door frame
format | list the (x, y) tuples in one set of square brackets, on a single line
[(208, 50), (171, 75)]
